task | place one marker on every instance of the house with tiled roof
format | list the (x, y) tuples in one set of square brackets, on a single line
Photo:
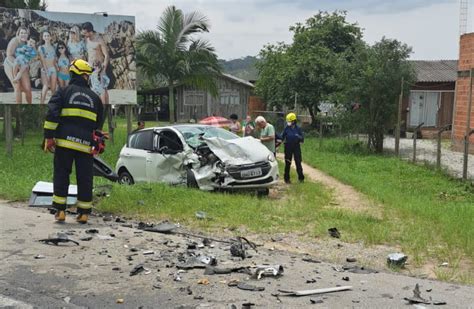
[(431, 98)]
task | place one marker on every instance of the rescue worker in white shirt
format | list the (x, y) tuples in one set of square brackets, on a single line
[(74, 114)]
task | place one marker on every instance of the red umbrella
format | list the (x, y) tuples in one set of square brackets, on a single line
[(216, 121)]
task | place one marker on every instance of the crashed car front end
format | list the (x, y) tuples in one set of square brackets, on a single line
[(242, 163)]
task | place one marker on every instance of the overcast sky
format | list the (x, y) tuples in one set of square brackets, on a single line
[(241, 27)]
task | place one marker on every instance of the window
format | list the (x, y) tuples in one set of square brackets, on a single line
[(170, 141), (141, 140), (229, 97), (194, 98)]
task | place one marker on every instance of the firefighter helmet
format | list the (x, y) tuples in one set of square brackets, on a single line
[(80, 67), (291, 117)]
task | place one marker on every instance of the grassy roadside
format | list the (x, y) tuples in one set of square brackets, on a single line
[(427, 213)]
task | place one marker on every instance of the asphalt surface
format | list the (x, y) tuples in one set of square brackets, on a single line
[(96, 273)]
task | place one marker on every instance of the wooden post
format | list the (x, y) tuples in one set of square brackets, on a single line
[(438, 151), (321, 133), (8, 130), (399, 119), (415, 136), (468, 128), (128, 113)]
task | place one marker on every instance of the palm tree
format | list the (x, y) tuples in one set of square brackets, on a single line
[(172, 54)]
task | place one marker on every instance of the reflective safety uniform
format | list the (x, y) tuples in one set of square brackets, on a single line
[(74, 112), (293, 137)]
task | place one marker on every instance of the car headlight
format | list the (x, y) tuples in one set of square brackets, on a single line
[(271, 157)]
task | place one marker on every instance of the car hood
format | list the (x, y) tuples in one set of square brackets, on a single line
[(239, 151)]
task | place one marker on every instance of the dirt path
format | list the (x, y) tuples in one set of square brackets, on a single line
[(344, 195)]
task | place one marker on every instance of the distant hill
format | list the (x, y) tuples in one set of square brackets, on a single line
[(242, 68)]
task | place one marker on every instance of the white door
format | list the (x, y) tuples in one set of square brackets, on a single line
[(417, 99), (166, 163), (139, 146), (430, 111)]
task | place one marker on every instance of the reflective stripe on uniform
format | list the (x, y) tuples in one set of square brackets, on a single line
[(73, 145), (50, 125), (84, 205), (77, 112), (59, 199)]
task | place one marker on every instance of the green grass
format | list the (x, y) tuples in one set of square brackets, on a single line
[(429, 215), (426, 212)]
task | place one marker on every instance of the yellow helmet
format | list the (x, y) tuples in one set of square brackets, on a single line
[(291, 117), (80, 67)]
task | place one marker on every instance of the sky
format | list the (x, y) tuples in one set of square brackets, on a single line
[(242, 27)]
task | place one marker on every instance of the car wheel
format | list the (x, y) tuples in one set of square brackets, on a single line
[(191, 180), (263, 192), (125, 178)]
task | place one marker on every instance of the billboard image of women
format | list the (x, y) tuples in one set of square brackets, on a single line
[(36, 48)]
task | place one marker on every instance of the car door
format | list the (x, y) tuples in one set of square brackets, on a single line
[(140, 144), (165, 163)]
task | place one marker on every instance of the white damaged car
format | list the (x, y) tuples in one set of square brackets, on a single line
[(200, 156)]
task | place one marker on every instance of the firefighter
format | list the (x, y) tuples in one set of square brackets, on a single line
[(292, 137), (74, 114)]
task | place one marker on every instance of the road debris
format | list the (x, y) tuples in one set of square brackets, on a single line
[(201, 215), (249, 287), (211, 270), (58, 238), (86, 238), (268, 271), (351, 260), (163, 227), (416, 298), (313, 292), (137, 269), (203, 281), (92, 231), (120, 301), (39, 257), (104, 237), (316, 300), (238, 249), (311, 260), (333, 232), (396, 259)]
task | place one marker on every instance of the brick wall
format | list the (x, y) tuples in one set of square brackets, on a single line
[(466, 62)]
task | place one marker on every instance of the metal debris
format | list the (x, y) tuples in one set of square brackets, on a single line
[(396, 259), (317, 291), (268, 271)]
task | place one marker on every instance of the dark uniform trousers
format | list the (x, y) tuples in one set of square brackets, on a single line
[(293, 150), (63, 160)]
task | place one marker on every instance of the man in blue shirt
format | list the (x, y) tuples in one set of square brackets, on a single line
[(292, 137)]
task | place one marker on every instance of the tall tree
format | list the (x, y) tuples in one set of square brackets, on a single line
[(308, 67), (172, 55), (374, 81)]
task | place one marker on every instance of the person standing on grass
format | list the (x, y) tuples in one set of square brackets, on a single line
[(292, 137), (266, 133), (140, 126), (75, 114)]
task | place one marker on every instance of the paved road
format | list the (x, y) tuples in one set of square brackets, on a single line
[(95, 274)]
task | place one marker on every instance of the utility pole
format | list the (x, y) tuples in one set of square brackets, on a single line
[(399, 119)]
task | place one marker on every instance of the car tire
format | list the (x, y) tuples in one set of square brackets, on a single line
[(191, 180), (125, 178), (263, 192)]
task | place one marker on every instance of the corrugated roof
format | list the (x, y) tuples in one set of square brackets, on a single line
[(435, 70), (239, 80)]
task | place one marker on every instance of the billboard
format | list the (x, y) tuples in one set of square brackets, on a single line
[(36, 48)]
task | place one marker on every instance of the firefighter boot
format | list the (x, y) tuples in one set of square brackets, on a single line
[(60, 216), (82, 218)]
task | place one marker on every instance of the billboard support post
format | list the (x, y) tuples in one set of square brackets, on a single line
[(128, 113), (8, 130)]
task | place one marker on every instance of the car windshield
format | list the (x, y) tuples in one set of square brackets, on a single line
[(192, 134)]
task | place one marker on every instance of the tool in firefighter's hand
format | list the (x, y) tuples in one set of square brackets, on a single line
[(99, 138), (49, 145)]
